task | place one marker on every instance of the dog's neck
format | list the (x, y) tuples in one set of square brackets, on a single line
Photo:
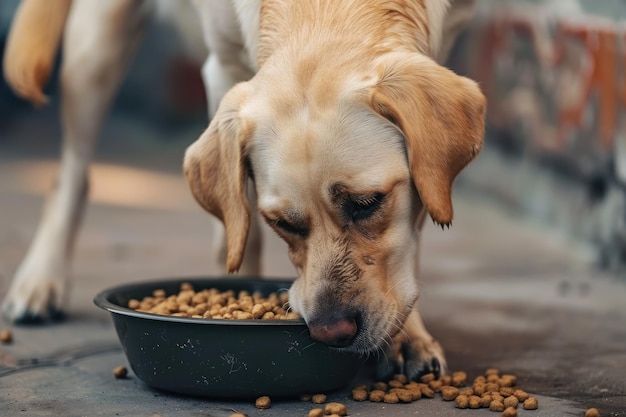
[(340, 28)]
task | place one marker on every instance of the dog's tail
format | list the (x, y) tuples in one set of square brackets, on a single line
[(32, 46)]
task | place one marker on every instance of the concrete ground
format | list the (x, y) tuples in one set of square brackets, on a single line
[(497, 290)]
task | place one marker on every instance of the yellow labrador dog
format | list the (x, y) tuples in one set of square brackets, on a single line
[(334, 118)]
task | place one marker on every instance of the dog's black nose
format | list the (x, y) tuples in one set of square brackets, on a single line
[(337, 332)]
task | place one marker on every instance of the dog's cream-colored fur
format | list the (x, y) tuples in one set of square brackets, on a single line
[(336, 122)]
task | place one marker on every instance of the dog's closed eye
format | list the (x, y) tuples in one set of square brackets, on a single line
[(362, 207), (290, 228)]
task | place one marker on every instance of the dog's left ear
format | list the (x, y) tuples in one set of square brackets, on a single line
[(216, 171), (441, 115)]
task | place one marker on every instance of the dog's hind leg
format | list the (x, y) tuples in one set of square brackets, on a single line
[(99, 41)]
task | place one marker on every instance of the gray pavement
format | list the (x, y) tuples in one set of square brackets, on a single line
[(497, 291)]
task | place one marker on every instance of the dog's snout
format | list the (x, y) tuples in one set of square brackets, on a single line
[(338, 332)]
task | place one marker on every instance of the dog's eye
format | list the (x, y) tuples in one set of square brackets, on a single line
[(290, 228), (365, 207)]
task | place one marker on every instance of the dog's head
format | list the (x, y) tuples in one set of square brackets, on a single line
[(345, 166)]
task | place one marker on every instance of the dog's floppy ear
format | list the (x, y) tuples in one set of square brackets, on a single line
[(215, 170), (441, 115)]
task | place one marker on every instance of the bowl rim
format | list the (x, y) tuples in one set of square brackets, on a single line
[(102, 300)]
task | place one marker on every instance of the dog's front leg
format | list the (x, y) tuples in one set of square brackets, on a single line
[(100, 39), (414, 352)]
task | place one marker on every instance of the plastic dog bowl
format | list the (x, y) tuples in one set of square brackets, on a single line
[(224, 358)]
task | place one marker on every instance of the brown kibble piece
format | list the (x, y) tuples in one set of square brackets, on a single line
[(492, 371), (496, 406), (427, 378), (592, 412), (459, 378), (158, 293), (506, 391), (531, 403), (435, 385), (485, 400), (263, 403), (492, 387), (238, 415), (120, 372), (316, 412), (395, 384), (416, 392), (474, 401), (497, 397), (336, 408), (318, 398), (404, 395), (511, 401), (493, 379), (521, 395), (6, 336), (427, 392), (449, 393), (480, 380), (479, 389), (509, 412), (359, 394), (391, 398), (377, 395), (466, 391), (462, 401), (507, 380)]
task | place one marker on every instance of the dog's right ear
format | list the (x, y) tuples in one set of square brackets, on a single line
[(215, 170)]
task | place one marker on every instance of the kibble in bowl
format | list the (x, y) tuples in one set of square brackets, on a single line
[(233, 357)]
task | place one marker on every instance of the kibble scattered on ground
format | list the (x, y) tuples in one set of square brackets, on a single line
[(263, 402), (493, 390), (120, 372), (6, 336)]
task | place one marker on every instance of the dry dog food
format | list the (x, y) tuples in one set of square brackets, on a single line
[(510, 412), (316, 412), (318, 398), (6, 337), (215, 304), (120, 372), (592, 412), (338, 409), (530, 403), (359, 394), (491, 390), (263, 403), (238, 415)]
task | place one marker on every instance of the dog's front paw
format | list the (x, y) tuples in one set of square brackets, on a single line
[(413, 353), (35, 295)]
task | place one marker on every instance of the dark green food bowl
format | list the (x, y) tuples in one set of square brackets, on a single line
[(224, 358)]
